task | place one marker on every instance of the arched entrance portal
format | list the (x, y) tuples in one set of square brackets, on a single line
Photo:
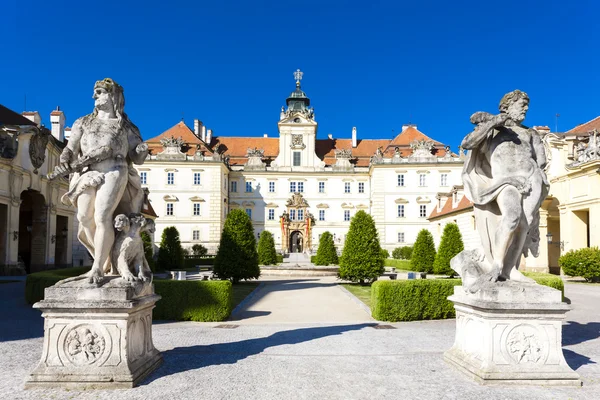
[(296, 242), (32, 230)]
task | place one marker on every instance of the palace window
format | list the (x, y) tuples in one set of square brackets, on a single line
[(143, 178), (169, 208), (346, 215), (271, 214), (196, 178), (234, 186), (300, 215), (321, 215), (422, 211), (400, 179), (248, 187), (196, 209), (292, 187), (444, 180), (170, 178), (361, 187), (296, 155), (292, 215), (271, 187), (400, 210), (400, 237), (321, 187), (195, 235), (422, 180), (249, 212), (300, 187), (346, 187)]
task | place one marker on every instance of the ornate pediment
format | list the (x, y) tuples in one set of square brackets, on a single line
[(586, 149), (322, 205), (297, 201), (423, 200), (422, 148), (171, 149), (197, 198), (255, 156), (377, 158), (400, 200), (170, 197)]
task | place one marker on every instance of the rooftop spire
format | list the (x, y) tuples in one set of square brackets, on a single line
[(298, 76)]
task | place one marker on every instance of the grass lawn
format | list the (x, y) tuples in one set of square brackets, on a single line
[(403, 265), (363, 293), (241, 290)]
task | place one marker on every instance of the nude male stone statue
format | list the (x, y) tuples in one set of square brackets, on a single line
[(504, 178), (102, 147)]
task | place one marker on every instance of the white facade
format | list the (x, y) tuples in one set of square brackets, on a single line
[(260, 175)]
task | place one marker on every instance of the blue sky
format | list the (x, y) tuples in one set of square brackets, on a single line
[(375, 65)]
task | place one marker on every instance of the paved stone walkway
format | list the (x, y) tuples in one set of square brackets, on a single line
[(305, 300), (302, 360)]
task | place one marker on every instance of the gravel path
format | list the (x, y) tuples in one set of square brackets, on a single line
[(301, 360)]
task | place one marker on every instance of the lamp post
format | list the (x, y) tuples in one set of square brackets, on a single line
[(560, 244)]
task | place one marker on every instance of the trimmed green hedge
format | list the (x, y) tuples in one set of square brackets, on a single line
[(181, 300), (279, 258), (412, 300), (37, 282), (403, 265), (201, 301)]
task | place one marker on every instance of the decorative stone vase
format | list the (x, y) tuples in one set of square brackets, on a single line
[(96, 337), (511, 333)]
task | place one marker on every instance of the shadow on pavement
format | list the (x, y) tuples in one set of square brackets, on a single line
[(576, 360), (575, 333), (247, 315), (19, 319), (181, 359)]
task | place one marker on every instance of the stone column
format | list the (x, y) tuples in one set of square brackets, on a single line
[(13, 226), (51, 231)]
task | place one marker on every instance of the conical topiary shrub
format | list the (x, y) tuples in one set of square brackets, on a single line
[(170, 252), (266, 249), (423, 254), (237, 257), (361, 259), (326, 253), (450, 245)]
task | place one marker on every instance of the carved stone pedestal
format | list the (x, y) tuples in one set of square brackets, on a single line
[(511, 333), (96, 337)]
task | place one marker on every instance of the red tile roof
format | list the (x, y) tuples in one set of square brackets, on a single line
[(586, 127), (236, 147), (463, 204)]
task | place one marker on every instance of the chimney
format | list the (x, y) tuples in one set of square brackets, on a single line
[(208, 136), (33, 116), (67, 133), (203, 133), (330, 136), (57, 120), (265, 135), (353, 137), (197, 127)]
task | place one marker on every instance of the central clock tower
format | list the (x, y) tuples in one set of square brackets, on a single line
[(297, 133)]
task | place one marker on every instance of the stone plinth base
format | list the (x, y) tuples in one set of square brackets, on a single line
[(511, 333), (96, 337)]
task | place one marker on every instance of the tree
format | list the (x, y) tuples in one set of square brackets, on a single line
[(385, 253), (326, 253), (402, 253), (199, 251), (266, 249), (450, 245), (361, 259), (237, 257), (148, 250), (170, 252), (423, 254)]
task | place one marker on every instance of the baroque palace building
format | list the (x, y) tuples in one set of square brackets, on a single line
[(295, 185)]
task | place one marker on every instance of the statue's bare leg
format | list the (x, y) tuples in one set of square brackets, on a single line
[(511, 211), (107, 198)]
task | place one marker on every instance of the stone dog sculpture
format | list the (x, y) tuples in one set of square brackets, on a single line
[(504, 177), (99, 156), (128, 251)]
